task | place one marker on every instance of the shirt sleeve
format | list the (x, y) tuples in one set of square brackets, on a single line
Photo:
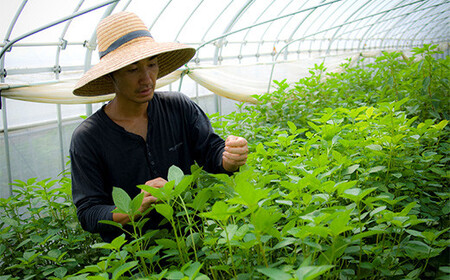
[(92, 199), (208, 147)]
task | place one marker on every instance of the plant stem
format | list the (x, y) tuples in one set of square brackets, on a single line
[(190, 227)]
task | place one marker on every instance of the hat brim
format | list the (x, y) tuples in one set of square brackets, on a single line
[(96, 81)]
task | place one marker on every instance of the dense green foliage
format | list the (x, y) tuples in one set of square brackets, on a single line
[(347, 179)]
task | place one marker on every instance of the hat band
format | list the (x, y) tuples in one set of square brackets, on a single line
[(124, 39)]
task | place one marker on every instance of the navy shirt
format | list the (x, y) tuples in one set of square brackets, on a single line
[(104, 155)]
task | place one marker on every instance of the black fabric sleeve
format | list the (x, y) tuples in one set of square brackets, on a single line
[(90, 195), (207, 146)]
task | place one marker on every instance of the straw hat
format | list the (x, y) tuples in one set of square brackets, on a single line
[(123, 39)]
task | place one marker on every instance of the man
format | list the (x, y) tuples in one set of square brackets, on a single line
[(136, 137)]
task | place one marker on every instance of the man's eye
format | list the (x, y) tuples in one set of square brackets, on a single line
[(132, 69)]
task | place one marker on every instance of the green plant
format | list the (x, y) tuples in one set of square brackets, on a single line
[(40, 235), (347, 178)]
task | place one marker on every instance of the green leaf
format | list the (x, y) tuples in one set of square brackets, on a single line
[(376, 169), (175, 174), (315, 127), (122, 269), (121, 199), (219, 211), (118, 242), (426, 84), (136, 202), (369, 112), (193, 269), (351, 169), (417, 250), (311, 272), (166, 243), (108, 222), (292, 127), (263, 220), (103, 245), (182, 185), (441, 125), (60, 272), (165, 210), (201, 199), (275, 273), (374, 147), (339, 224)]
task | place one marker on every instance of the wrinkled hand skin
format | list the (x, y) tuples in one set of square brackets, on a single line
[(235, 154), (148, 198)]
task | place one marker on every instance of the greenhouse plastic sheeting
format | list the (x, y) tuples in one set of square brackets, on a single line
[(237, 82), (60, 92), (241, 82)]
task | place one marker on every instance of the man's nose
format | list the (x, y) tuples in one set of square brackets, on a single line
[(145, 76)]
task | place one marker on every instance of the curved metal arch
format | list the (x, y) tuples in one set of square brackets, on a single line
[(8, 34), (289, 19), (62, 46), (209, 28), (313, 9), (91, 44), (345, 28), (429, 22), (443, 30), (363, 27), (420, 19), (319, 28), (230, 25), (334, 22), (3, 101), (384, 13), (215, 20), (322, 31), (277, 38), (61, 38), (248, 27), (357, 14), (187, 19), (126, 5), (248, 31), (413, 16), (159, 15), (370, 39), (371, 9), (436, 26), (9, 44), (407, 25), (400, 19), (373, 24)]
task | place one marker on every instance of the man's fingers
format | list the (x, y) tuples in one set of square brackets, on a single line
[(156, 183), (235, 141), (235, 156), (236, 150)]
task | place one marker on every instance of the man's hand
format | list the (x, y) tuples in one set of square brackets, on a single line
[(235, 155), (148, 198), (146, 202)]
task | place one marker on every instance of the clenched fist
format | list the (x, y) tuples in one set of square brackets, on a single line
[(235, 154)]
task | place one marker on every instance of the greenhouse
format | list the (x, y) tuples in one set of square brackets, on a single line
[(315, 139)]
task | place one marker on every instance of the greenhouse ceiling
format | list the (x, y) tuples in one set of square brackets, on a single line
[(51, 36)]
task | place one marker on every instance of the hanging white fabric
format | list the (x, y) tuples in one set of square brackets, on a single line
[(239, 82), (60, 92)]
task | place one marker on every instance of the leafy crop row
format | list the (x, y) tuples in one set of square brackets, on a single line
[(347, 179)]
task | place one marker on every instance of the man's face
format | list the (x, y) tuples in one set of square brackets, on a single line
[(136, 82)]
